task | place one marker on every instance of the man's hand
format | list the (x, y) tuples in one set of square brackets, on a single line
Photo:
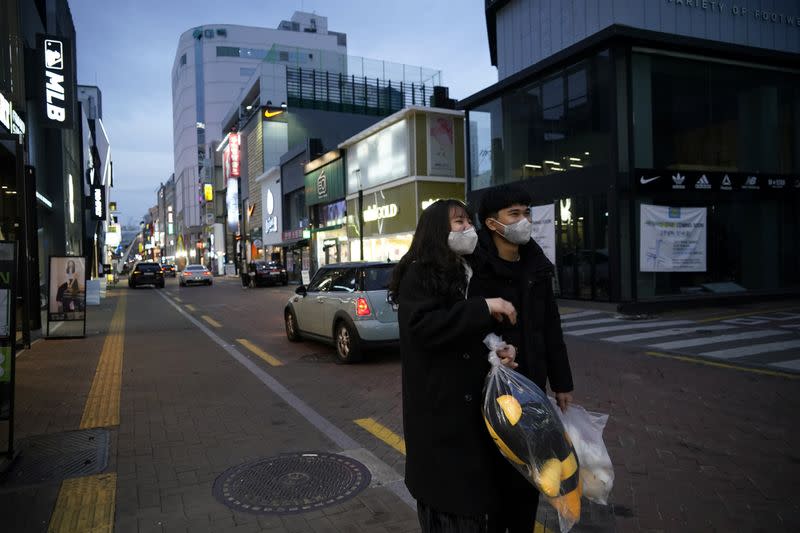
[(507, 355), (563, 399)]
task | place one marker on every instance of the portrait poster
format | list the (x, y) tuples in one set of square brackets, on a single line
[(441, 146), (67, 298)]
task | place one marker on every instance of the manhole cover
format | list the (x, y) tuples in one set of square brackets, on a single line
[(292, 483), (58, 456)]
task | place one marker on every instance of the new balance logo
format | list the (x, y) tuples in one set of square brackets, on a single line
[(751, 183)]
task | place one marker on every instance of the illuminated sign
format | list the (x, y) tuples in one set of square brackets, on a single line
[(426, 203), (271, 221), (376, 212), (270, 113), (112, 206), (5, 112), (98, 196), (58, 87), (208, 192), (235, 154), (232, 202)]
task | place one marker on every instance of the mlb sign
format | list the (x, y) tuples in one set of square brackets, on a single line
[(57, 83)]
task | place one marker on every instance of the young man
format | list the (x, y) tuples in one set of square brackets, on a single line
[(509, 264)]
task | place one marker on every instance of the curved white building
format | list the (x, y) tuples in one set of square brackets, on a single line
[(213, 63)]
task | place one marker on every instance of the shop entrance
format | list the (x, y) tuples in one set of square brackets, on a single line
[(582, 247)]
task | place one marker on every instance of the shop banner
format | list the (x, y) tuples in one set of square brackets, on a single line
[(441, 146), (653, 180), (67, 300), (8, 268), (544, 229), (672, 239), (326, 184), (57, 86)]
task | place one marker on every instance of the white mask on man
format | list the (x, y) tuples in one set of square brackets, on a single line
[(517, 233)]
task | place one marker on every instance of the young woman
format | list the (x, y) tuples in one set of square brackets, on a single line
[(451, 460)]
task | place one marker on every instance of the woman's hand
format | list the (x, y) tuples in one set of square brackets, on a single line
[(507, 355), (500, 308)]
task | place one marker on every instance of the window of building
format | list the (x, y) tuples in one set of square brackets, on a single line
[(221, 32), (209, 34), (252, 53), (183, 60), (246, 72), (227, 51), (558, 123)]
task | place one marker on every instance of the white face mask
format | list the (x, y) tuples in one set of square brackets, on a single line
[(463, 242), (517, 233)]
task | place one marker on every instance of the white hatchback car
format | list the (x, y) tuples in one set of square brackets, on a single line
[(197, 274), (345, 304)]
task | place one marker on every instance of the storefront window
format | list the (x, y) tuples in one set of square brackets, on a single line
[(691, 114), (557, 124)]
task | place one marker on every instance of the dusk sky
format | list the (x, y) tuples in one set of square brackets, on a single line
[(127, 49)]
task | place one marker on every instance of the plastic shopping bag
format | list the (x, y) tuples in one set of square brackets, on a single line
[(585, 430), (529, 433)]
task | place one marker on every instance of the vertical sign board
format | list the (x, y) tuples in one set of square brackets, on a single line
[(57, 86), (8, 335), (543, 229), (672, 239), (67, 301)]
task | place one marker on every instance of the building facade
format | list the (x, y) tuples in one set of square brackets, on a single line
[(213, 63), (660, 140)]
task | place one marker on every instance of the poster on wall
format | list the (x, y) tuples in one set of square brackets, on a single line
[(67, 300), (672, 239), (544, 229), (8, 268), (441, 146)]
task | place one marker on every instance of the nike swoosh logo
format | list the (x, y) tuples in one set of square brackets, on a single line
[(270, 114), (645, 181)]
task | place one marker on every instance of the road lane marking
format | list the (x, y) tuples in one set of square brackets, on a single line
[(746, 335), (791, 365), (698, 361), (259, 352), (383, 474), (191, 308), (591, 322), (664, 333), (630, 325), (211, 321), (102, 405), (178, 299), (85, 504), (382, 432), (574, 313), (753, 349), (726, 317)]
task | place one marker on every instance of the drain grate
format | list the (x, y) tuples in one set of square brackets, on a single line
[(58, 456), (291, 483)]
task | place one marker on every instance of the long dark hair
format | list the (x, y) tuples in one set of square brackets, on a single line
[(443, 268)]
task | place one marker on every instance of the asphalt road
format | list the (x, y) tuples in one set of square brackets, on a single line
[(696, 447)]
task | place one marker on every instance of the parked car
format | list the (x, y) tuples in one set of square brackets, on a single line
[(168, 269), (197, 274), (345, 304), (146, 273), (266, 273)]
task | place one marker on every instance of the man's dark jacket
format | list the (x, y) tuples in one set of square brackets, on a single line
[(451, 461), (541, 353)]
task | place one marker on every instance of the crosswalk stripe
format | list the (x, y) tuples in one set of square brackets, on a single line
[(664, 333), (578, 314), (631, 325), (753, 349), (589, 322), (791, 365), (719, 338)]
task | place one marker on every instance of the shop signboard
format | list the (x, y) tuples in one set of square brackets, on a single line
[(441, 146), (380, 158), (543, 230), (325, 184), (672, 239), (67, 301), (98, 202), (57, 85), (702, 181), (430, 191)]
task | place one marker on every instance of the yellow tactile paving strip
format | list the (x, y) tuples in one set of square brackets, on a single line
[(85, 504), (102, 405)]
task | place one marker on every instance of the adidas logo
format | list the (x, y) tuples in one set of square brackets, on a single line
[(677, 181), (702, 183)]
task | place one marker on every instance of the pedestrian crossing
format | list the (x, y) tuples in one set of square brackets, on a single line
[(770, 340)]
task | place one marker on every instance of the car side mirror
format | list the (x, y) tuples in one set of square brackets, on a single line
[(301, 290)]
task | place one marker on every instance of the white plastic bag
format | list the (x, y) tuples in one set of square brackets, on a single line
[(585, 429), (529, 434)]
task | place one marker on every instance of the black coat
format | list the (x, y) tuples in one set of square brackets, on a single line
[(541, 352), (451, 461)]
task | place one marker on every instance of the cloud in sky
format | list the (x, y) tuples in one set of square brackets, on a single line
[(127, 48)]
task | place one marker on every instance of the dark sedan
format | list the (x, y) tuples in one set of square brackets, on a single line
[(168, 269), (146, 274), (267, 273)]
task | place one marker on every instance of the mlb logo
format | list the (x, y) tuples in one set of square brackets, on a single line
[(53, 54)]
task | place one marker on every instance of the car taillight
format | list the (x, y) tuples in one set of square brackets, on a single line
[(362, 307), (206, 273), (187, 273)]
